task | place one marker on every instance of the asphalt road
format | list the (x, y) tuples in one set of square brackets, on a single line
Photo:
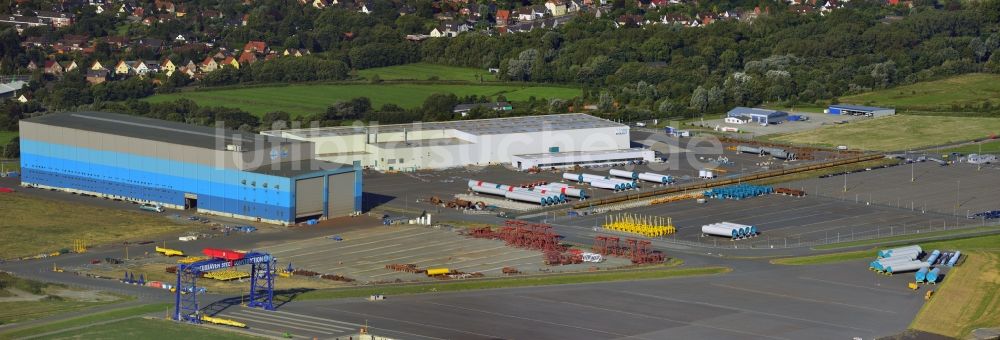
[(757, 301)]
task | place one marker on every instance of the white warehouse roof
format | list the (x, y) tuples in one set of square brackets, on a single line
[(494, 126)]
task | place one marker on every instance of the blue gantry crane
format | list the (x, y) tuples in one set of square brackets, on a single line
[(262, 267)]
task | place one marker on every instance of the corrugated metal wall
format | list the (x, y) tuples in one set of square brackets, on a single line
[(341, 195), (309, 197)]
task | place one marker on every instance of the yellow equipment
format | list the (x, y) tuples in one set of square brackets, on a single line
[(190, 259), (285, 274), (929, 294), (221, 321), (913, 285), (227, 275), (437, 271), (718, 170), (56, 269), (649, 226), (169, 252), (79, 247), (675, 198)]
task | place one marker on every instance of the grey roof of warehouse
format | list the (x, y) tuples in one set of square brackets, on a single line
[(159, 130), (292, 169), (747, 111), (859, 107), (525, 124)]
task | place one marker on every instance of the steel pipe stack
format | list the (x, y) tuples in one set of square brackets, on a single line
[(900, 267), (656, 178), (921, 275), (624, 174), (559, 196), (487, 187), (954, 259), (608, 185), (564, 189), (933, 275), (933, 256), (728, 229), (573, 177), (749, 149), (889, 252)]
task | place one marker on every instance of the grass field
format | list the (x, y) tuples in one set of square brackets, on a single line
[(978, 242), (956, 233), (543, 280), (5, 137), (148, 329), (25, 299), (309, 99), (896, 132), (34, 225), (13, 312), (86, 320), (969, 298), (935, 95), (424, 71), (985, 147)]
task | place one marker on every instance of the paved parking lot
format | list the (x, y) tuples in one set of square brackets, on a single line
[(816, 120), (757, 302), (784, 220), (363, 254), (953, 189)]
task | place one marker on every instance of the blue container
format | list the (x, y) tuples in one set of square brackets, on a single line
[(921, 275), (934, 256), (933, 275)]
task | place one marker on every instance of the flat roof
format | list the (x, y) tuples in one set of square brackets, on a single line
[(159, 130), (580, 153), (494, 126), (421, 142), (292, 169), (748, 111), (859, 107)]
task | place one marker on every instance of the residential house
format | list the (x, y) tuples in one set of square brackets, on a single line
[(151, 66), (321, 4), (180, 10), (74, 42), (181, 38), (367, 7), (539, 11), (254, 46), (10, 90), (53, 68), (450, 29), (168, 67), (164, 5), (190, 65), (58, 19), (292, 52), (556, 7), (24, 98), (209, 65), (95, 77), (525, 14), (117, 42), (230, 62), (801, 9), (124, 68), (247, 58), (150, 43), (707, 18), (503, 17), (659, 3), (35, 41), (32, 66), (406, 9), (69, 66), (831, 5), (97, 66), (189, 71), (629, 20)]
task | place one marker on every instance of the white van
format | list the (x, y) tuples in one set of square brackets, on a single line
[(152, 207)]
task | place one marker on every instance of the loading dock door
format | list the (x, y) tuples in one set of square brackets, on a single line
[(309, 197), (341, 193)]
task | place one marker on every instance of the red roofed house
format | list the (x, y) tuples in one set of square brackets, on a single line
[(247, 57), (254, 46), (503, 17)]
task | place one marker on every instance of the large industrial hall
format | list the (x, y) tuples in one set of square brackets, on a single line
[(182, 166), (440, 145)]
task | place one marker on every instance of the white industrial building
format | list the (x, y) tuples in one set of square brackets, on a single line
[(439, 145)]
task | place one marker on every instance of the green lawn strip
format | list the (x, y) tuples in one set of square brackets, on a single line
[(315, 98), (13, 312), (424, 71), (539, 280), (990, 242), (990, 147), (148, 329), (944, 94), (85, 320), (6, 136), (901, 238)]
